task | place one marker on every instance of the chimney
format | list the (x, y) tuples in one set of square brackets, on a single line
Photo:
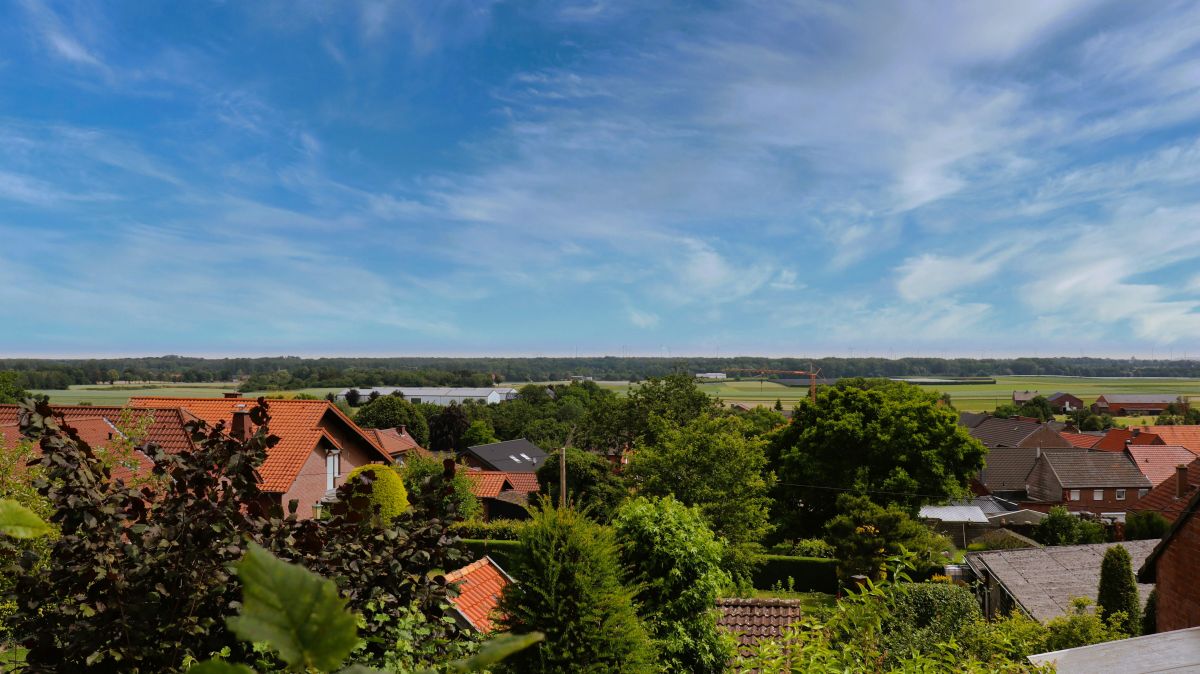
[(241, 423), (232, 394), (402, 429), (1181, 483)]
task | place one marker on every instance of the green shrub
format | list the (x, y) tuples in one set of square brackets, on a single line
[(674, 560), (503, 552), (801, 574), (1082, 627), (805, 547), (1150, 614), (570, 589), (425, 474), (923, 614), (387, 489), (1060, 527), (1145, 525), (865, 534), (494, 530), (1118, 593)]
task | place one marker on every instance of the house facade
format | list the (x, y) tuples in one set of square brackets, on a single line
[(1172, 568), (1119, 405), (1095, 482), (1064, 402)]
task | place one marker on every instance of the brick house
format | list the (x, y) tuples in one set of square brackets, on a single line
[(1117, 439), (1158, 462), (1064, 402), (1020, 432), (318, 445), (1097, 482), (510, 456), (397, 442), (1186, 436), (1172, 568), (503, 495), (1171, 495), (1119, 404)]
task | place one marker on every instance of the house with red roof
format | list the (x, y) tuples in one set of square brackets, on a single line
[(1158, 462), (1117, 439), (1171, 495), (318, 444), (1172, 568), (504, 495), (1187, 436), (479, 586), (1127, 404), (397, 442), (1084, 440)]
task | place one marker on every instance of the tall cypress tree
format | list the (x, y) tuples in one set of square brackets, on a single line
[(570, 588), (1118, 589)]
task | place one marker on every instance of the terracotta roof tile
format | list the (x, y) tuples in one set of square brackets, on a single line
[(1187, 436), (490, 483), (479, 586), (396, 444), (1080, 439), (1163, 499), (1158, 462), (757, 618), (1116, 439), (298, 423)]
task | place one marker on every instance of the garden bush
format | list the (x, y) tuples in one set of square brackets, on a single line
[(387, 489), (1145, 525), (928, 613), (495, 530), (805, 547), (802, 574), (502, 552)]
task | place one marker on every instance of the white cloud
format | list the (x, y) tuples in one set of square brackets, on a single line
[(642, 319)]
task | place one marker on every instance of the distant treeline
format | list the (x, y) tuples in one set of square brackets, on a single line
[(292, 372)]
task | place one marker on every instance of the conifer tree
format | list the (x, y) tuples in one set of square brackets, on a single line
[(1118, 589)]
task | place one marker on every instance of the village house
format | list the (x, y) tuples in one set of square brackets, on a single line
[(1185, 436), (1117, 439), (397, 442), (509, 456), (1019, 432), (1158, 462), (1021, 397), (1171, 495), (1123, 404), (318, 445), (753, 619), (1062, 402), (1006, 470), (503, 495), (1096, 482), (1171, 566), (479, 585)]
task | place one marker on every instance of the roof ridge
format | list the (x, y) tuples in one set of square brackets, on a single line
[(455, 575)]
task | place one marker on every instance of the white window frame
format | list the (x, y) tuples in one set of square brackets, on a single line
[(333, 468), (1097, 494), (1075, 496), (1120, 494)]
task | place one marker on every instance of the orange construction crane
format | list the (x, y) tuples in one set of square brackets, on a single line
[(811, 373)]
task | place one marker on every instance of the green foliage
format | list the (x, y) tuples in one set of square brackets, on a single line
[(881, 438), (570, 589), (1060, 527), (1038, 408), (18, 521), (1083, 627), (140, 579), (504, 552), (674, 399), (427, 475), (1000, 539), (866, 535), (711, 464), (1118, 591), (674, 560), (294, 611), (805, 547), (11, 390), (495, 530), (800, 574), (928, 613), (592, 486), (393, 412), (388, 494), (1006, 411), (1150, 613), (480, 432), (1145, 525), (446, 430)]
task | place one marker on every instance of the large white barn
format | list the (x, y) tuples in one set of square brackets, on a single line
[(438, 395)]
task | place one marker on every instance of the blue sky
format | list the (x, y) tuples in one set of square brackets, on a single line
[(600, 177)]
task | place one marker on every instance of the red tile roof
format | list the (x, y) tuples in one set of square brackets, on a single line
[(750, 620), (1080, 439), (489, 483), (525, 482), (1158, 462), (479, 586), (1162, 499), (395, 443), (1116, 439), (298, 423), (1187, 436)]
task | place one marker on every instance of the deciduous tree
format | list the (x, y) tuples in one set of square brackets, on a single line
[(392, 412)]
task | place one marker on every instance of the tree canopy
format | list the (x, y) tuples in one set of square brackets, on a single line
[(393, 412), (592, 486)]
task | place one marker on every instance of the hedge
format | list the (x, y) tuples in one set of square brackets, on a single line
[(808, 574), (500, 551)]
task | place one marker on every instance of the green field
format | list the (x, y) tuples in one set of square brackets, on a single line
[(967, 397)]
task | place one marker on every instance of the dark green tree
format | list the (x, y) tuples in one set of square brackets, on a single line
[(671, 555), (1145, 525), (447, 429), (393, 412), (11, 390), (865, 535), (446, 484), (1038, 408), (889, 440), (480, 432), (592, 486), (710, 463), (1118, 590), (353, 397), (1150, 614), (675, 399), (1060, 527), (571, 590)]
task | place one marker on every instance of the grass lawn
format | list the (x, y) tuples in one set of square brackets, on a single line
[(101, 395), (809, 600)]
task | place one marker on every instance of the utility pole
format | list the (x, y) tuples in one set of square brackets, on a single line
[(562, 470)]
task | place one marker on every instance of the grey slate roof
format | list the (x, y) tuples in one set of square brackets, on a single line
[(1177, 651), (1007, 467), (1043, 581), (971, 419), (996, 432), (990, 505), (513, 456), (952, 513), (1080, 470)]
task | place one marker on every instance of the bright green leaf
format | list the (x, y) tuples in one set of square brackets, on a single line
[(493, 652), (295, 611), (220, 667), (20, 522)]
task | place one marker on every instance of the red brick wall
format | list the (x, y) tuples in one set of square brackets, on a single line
[(309, 486), (1108, 504), (1178, 591)]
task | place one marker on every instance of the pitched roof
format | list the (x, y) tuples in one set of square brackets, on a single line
[(997, 432), (1135, 398), (491, 483), (164, 427), (396, 443), (952, 513), (752, 619), (1188, 436), (1148, 572), (1164, 498), (1158, 462), (1043, 581), (971, 419), (990, 505), (479, 586), (1024, 396), (1006, 468), (1174, 651), (1078, 470), (298, 423), (1060, 394), (511, 456), (1080, 439), (1116, 439)]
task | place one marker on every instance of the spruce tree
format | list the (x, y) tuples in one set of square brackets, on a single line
[(1150, 614), (570, 588), (1118, 589)]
